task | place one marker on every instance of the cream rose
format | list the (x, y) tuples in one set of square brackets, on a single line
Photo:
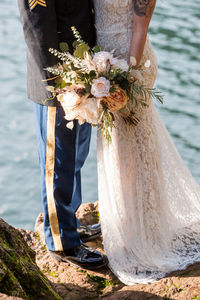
[(100, 87), (102, 61), (89, 110), (119, 64), (69, 99)]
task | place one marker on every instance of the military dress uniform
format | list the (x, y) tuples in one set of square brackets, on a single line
[(62, 151)]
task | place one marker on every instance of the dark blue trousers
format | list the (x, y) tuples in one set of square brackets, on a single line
[(62, 153)]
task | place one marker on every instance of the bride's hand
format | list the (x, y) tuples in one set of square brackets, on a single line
[(143, 10)]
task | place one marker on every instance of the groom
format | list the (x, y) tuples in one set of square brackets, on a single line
[(62, 151)]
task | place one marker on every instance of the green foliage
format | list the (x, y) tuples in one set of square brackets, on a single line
[(179, 290), (80, 50), (79, 69), (19, 274), (139, 94), (75, 44), (107, 124), (64, 47), (112, 89), (92, 75), (77, 35), (102, 282), (96, 49)]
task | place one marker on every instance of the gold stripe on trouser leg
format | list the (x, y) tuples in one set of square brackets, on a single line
[(50, 162)]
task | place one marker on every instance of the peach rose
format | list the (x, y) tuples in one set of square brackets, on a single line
[(116, 100)]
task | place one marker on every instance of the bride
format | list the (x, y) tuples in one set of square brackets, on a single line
[(149, 202)]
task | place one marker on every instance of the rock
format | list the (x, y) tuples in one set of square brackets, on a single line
[(6, 297), (19, 275), (39, 224), (88, 213), (73, 283)]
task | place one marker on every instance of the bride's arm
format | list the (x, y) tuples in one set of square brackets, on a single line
[(143, 10)]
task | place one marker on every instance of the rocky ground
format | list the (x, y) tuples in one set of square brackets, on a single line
[(71, 283)]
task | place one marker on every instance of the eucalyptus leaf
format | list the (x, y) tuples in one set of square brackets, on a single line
[(88, 88), (92, 74), (58, 80), (96, 49), (80, 50), (63, 84), (64, 47), (75, 44)]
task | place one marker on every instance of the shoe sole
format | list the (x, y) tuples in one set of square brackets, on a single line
[(87, 267), (58, 258)]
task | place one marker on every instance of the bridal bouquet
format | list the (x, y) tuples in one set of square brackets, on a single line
[(92, 84)]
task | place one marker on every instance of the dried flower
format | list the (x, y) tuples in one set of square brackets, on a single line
[(116, 100)]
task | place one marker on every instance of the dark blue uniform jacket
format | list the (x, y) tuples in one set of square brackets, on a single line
[(46, 23)]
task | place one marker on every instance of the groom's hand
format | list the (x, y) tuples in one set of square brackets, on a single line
[(143, 10)]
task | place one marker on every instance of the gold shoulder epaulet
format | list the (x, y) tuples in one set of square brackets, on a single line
[(33, 3)]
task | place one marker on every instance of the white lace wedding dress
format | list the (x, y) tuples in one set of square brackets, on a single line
[(149, 202)]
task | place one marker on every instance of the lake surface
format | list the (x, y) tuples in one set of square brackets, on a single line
[(175, 34)]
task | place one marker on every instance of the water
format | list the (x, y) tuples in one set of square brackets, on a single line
[(175, 34)]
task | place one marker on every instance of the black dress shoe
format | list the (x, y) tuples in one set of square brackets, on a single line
[(89, 232), (82, 256)]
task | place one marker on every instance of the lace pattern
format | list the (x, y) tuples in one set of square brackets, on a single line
[(149, 202)]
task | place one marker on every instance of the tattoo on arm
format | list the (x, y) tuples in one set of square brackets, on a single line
[(144, 8)]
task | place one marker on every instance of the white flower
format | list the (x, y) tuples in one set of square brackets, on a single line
[(89, 110), (102, 61), (100, 87), (69, 99), (70, 125), (147, 64), (50, 88), (89, 62), (119, 64), (71, 76)]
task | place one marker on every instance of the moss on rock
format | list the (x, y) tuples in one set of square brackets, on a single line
[(19, 275)]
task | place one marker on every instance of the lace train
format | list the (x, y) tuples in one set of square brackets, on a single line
[(149, 202)]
